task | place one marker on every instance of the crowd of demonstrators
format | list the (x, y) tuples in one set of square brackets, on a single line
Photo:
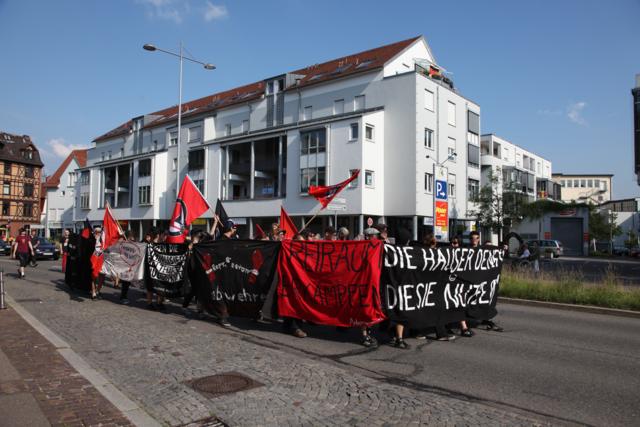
[(23, 248)]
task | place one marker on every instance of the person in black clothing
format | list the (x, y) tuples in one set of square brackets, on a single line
[(125, 284), (489, 324), (190, 289), (35, 242)]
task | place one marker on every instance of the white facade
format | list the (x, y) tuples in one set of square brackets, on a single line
[(586, 188), (375, 121), (58, 209)]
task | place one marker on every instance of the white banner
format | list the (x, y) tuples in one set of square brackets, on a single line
[(125, 260)]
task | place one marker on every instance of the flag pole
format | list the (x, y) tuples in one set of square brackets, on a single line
[(311, 220)]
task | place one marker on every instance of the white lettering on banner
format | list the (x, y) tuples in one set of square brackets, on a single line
[(446, 259)]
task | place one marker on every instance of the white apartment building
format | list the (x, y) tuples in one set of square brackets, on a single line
[(60, 196), (390, 112), (585, 188), (516, 169)]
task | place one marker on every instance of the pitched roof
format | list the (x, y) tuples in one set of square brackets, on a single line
[(13, 147), (318, 73), (80, 157)]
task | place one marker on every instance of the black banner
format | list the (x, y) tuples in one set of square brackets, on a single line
[(233, 276), (165, 268), (423, 287)]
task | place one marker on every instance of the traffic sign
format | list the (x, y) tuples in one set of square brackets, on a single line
[(441, 190)]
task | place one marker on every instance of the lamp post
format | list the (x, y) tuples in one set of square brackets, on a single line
[(207, 66), (440, 200)]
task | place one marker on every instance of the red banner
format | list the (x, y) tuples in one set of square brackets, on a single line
[(331, 282), (442, 214)]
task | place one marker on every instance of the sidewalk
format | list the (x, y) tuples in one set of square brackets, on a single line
[(38, 387)]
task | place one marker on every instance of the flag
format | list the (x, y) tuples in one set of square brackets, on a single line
[(259, 232), (287, 225), (325, 194), (190, 204), (221, 213), (86, 231), (111, 230)]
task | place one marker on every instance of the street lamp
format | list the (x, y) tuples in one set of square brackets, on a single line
[(207, 66)]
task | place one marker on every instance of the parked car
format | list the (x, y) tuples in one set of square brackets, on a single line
[(47, 250), (551, 247), (634, 252), (621, 250), (5, 248)]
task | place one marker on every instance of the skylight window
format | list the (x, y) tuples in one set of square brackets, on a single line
[(364, 64)]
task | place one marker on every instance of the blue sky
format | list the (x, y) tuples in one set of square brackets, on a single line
[(551, 76)]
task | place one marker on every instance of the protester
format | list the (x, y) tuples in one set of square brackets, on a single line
[(329, 233), (290, 325), (230, 231), (22, 248), (464, 328), (152, 237), (64, 248), (343, 233), (474, 236), (275, 230), (384, 232), (35, 242), (98, 281), (489, 324), (190, 288), (371, 233), (524, 253)]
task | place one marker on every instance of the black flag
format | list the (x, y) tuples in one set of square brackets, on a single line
[(221, 213)]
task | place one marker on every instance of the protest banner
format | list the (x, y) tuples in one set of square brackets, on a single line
[(165, 268), (233, 275), (125, 260), (330, 282), (422, 287)]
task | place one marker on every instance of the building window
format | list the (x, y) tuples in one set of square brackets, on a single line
[(451, 113), (200, 184), (6, 188), (338, 106), (452, 186), (6, 207), (583, 183), (428, 100), (27, 210), (473, 155), (28, 190), (313, 142), (369, 133), (227, 129), (84, 200), (569, 183), (196, 160), (195, 134), (428, 138), (306, 113), (604, 185), (451, 151), (173, 139), (369, 179), (473, 189), (155, 145), (428, 182), (122, 152), (28, 172), (144, 195), (245, 126), (590, 183), (311, 176), (85, 178), (116, 186), (358, 103), (7, 168), (102, 156), (354, 129), (109, 155), (144, 168), (354, 183), (473, 127), (174, 164)]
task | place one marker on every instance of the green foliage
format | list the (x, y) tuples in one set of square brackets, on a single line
[(570, 288), (539, 208), (632, 239), (603, 226)]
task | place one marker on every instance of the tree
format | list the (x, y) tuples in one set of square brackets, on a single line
[(632, 239), (497, 209), (602, 226)]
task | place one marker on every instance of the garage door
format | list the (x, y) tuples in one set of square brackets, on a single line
[(569, 232)]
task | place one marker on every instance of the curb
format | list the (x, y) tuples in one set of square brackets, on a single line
[(128, 407), (572, 307)]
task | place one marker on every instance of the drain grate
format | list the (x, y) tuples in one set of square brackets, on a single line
[(28, 300), (220, 384), (205, 422)]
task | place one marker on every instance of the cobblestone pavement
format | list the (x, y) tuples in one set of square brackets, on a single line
[(63, 396), (150, 356)]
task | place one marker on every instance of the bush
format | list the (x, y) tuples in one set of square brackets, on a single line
[(568, 287)]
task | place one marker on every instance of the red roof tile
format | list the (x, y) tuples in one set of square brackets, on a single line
[(80, 156), (336, 68)]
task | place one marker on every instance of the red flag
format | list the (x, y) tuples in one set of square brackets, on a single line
[(325, 194), (286, 224), (190, 204), (259, 232), (87, 230), (111, 230)]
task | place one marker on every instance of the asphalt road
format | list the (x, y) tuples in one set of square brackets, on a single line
[(563, 367), (595, 270)]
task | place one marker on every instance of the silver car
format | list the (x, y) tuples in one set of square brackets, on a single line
[(551, 247)]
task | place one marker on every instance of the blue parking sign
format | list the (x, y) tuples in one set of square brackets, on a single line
[(441, 190)]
